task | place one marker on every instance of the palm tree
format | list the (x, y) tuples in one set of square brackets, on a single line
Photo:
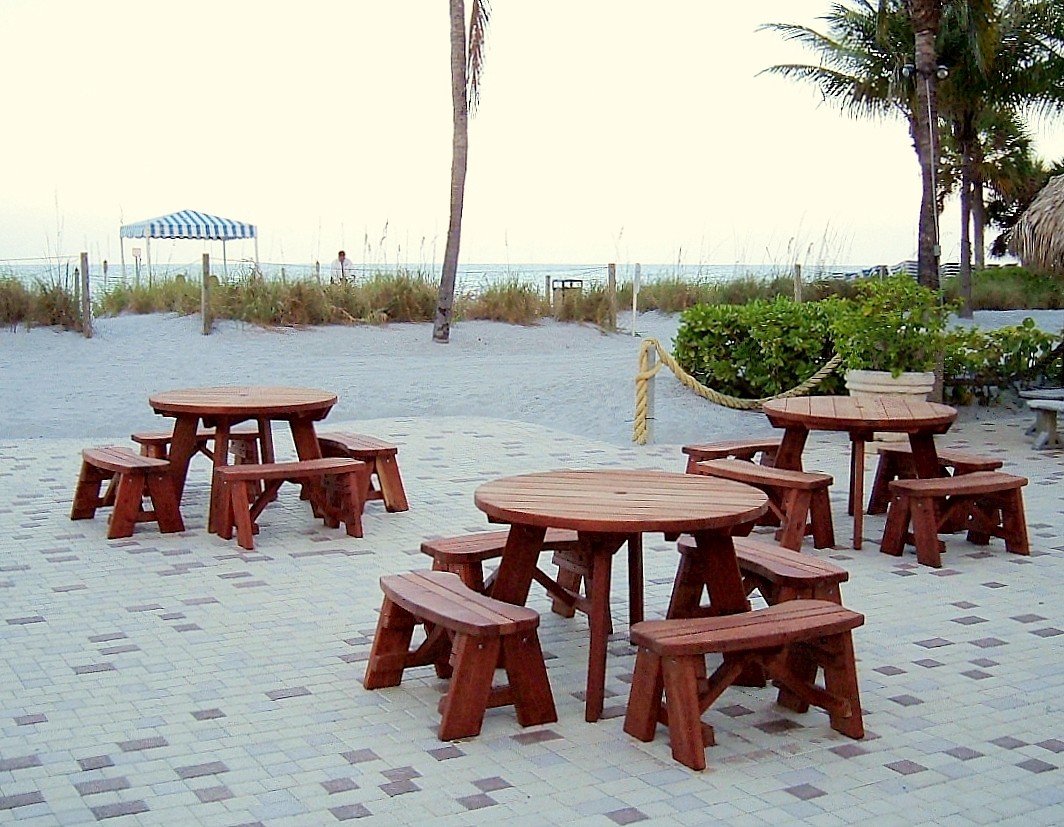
[(866, 68), (467, 63)]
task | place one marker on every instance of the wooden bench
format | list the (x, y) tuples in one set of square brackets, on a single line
[(733, 449), (466, 632), (134, 476), (789, 640), (986, 503), (800, 500), (465, 554), (343, 481), (381, 459), (896, 462), (243, 443), (1045, 422), (777, 573)]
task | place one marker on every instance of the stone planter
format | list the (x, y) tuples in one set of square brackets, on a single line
[(882, 383)]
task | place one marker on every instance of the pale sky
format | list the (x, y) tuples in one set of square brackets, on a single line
[(608, 130)]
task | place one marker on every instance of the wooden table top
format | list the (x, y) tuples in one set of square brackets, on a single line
[(620, 501), (243, 401), (844, 413)]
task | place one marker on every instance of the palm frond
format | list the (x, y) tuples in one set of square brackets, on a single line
[(1038, 237), (478, 29)]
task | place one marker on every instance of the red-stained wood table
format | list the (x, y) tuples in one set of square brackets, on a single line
[(223, 407), (861, 417), (605, 507)]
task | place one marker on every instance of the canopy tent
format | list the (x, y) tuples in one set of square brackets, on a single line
[(187, 224), (1037, 240)]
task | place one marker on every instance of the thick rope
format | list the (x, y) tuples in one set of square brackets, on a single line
[(646, 373)]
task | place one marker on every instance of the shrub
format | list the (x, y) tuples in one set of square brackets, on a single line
[(513, 301), (755, 350), (14, 302)]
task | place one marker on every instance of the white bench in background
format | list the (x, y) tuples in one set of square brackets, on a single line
[(1045, 422)]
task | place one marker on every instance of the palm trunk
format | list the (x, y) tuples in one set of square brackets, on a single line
[(926, 17), (441, 329), (965, 276), (978, 222)]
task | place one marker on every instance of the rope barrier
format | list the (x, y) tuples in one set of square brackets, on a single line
[(647, 373)]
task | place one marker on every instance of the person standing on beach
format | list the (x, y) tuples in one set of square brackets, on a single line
[(342, 269)]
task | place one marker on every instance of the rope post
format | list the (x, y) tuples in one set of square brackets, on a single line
[(652, 367), (86, 299), (798, 283), (205, 295)]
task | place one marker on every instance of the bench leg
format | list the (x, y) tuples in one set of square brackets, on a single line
[(925, 531), (1014, 523), (127, 505), (644, 698), (391, 643), (1046, 435), (889, 468), (897, 527), (164, 502), (527, 675), (463, 707), (820, 517), (87, 492), (796, 513), (240, 502), (840, 680), (392, 491), (680, 678)]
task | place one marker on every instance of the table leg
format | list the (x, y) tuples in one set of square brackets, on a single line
[(602, 548), (857, 458), (182, 448), (221, 457), (307, 447), (925, 457), (519, 557), (789, 455), (713, 568)]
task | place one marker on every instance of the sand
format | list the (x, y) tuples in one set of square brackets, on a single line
[(569, 377)]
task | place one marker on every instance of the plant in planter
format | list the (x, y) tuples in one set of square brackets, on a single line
[(892, 328)]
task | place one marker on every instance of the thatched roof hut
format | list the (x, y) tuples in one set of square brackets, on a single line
[(1037, 240)]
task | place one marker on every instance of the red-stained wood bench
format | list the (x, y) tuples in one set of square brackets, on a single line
[(134, 476), (790, 641), (466, 632), (800, 500), (379, 456), (896, 462), (986, 503), (733, 449), (777, 573), (464, 555), (243, 443), (343, 480)]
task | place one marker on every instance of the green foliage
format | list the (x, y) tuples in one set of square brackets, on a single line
[(755, 350), (54, 305), (1009, 288), (979, 363), (513, 301), (894, 324)]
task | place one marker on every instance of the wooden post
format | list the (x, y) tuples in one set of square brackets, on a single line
[(635, 297), (546, 292), (611, 292), (652, 360), (205, 295), (86, 299), (798, 283)]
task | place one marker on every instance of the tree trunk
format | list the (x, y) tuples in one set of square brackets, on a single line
[(441, 329), (926, 17), (965, 275), (978, 220)]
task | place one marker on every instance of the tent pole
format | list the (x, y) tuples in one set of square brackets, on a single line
[(122, 246), (147, 244), (225, 261), (258, 268)]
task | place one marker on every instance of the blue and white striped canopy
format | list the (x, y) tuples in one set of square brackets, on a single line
[(188, 224)]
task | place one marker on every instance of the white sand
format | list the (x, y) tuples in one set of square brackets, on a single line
[(568, 377)]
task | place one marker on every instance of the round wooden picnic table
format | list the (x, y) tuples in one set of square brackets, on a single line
[(606, 507), (223, 407), (861, 417)]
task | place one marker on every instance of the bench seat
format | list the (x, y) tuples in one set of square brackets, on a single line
[(733, 449), (133, 477), (986, 503), (384, 481), (466, 633), (243, 443), (896, 462), (790, 641), (800, 500), (343, 481)]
